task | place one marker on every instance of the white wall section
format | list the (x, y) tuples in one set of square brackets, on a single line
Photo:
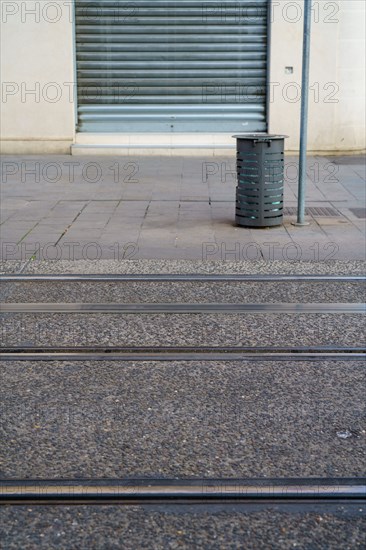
[(37, 73)]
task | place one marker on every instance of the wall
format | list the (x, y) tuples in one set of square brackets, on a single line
[(349, 125), (336, 110), (37, 54)]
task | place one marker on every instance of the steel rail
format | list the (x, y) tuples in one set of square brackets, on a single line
[(160, 353), (185, 349), (145, 490), (180, 278), (180, 357), (181, 308)]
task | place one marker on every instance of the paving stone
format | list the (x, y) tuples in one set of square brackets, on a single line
[(181, 193)]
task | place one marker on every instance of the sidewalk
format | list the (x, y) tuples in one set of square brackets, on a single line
[(62, 207)]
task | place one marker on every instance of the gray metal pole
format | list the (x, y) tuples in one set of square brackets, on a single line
[(304, 114)]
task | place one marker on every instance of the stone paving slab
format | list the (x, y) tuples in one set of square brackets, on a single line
[(169, 208)]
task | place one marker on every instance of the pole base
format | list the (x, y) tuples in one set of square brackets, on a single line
[(300, 224)]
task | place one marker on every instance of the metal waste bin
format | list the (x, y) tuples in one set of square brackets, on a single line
[(260, 179)]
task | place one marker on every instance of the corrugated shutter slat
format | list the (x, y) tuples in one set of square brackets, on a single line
[(163, 66)]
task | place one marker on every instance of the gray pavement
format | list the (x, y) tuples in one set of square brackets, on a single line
[(249, 329), (188, 292), (330, 267), (115, 527), (183, 419), (61, 207)]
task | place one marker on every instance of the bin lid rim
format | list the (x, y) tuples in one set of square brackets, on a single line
[(262, 136)]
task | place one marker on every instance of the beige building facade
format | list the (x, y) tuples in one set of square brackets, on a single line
[(39, 105)]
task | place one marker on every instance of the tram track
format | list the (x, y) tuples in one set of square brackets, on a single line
[(142, 308), (82, 307), (292, 492), (203, 353), (175, 277), (163, 491)]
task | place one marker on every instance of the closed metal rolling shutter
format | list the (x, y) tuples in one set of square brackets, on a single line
[(162, 66)]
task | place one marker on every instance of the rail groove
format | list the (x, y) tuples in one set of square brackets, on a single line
[(167, 490), (182, 308), (180, 278), (160, 353)]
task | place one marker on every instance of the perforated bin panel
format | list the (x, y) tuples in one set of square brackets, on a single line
[(260, 174)]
